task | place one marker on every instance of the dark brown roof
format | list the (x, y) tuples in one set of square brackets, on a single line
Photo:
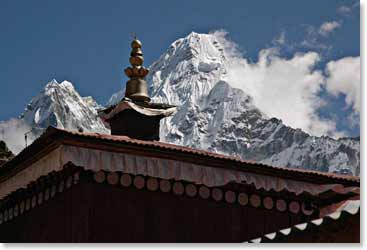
[(54, 137)]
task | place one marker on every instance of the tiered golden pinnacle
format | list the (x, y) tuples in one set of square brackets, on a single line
[(136, 87), (136, 61)]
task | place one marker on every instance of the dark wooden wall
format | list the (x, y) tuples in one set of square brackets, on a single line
[(92, 212)]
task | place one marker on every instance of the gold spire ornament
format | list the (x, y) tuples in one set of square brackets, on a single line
[(136, 87), (135, 116)]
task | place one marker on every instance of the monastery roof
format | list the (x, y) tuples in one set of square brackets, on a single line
[(55, 136), (120, 156)]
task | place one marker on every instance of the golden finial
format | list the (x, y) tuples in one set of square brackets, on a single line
[(135, 44), (136, 87), (136, 60)]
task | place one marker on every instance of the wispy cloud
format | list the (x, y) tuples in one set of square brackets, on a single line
[(316, 37), (344, 9), (348, 9), (313, 40), (280, 39), (328, 27)]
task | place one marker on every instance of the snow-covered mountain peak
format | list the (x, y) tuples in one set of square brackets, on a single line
[(53, 81), (194, 47), (213, 115), (51, 84), (60, 105), (68, 85), (54, 85), (197, 58), (202, 46)]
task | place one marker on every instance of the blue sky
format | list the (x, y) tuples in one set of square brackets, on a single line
[(87, 42)]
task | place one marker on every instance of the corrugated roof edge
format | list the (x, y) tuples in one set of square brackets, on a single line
[(330, 218), (53, 136)]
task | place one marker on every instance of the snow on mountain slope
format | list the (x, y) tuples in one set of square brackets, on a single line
[(115, 98), (214, 116), (60, 105), (188, 70)]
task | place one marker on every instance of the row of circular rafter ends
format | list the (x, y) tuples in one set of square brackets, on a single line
[(192, 190), (38, 192), (47, 187)]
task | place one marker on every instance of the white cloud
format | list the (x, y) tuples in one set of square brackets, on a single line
[(327, 27), (286, 88), (279, 40), (348, 9), (231, 48), (12, 132), (344, 77), (314, 37), (344, 9)]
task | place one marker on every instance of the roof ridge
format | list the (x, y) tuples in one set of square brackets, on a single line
[(53, 133), (205, 152)]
